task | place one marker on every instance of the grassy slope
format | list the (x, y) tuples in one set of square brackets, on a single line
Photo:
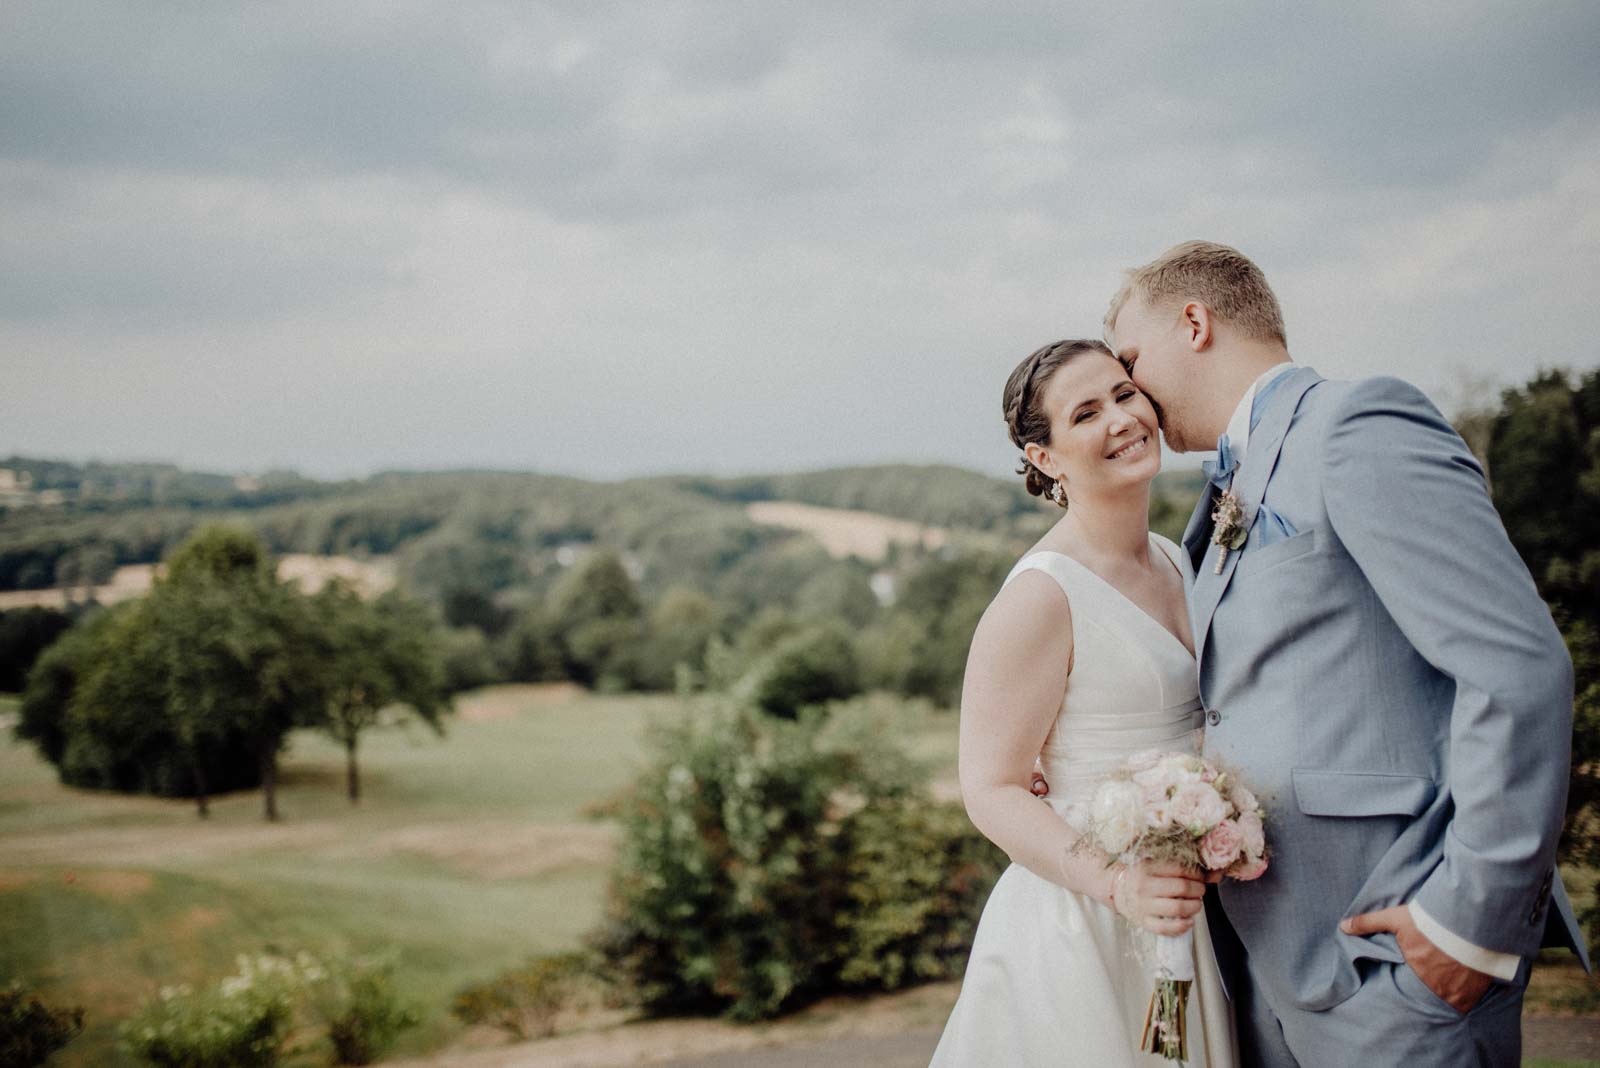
[(164, 911), (114, 897)]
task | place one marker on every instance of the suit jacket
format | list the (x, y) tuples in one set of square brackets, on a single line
[(1390, 681)]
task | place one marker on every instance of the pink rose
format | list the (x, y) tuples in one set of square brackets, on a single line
[(1198, 807), (1249, 868), (1243, 799), (1255, 837), (1221, 845)]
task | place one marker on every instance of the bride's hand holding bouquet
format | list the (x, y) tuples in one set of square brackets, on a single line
[(1168, 820)]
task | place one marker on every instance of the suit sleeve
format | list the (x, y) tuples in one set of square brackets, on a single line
[(1408, 501)]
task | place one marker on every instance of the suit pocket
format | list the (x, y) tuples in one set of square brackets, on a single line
[(1361, 793), (1279, 552)]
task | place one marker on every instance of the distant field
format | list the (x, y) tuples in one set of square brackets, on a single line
[(844, 532), (467, 854), (370, 576)]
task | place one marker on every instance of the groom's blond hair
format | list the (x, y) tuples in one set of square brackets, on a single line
[(1221, 278)]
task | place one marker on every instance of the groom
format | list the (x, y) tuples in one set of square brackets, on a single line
[(1375, 660)]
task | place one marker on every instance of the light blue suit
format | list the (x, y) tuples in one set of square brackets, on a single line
[(1389, 679)]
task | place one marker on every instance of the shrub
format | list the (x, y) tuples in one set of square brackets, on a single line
[(30, 1031), (737, 876), (526, 1001), (812, 667), (918, 876), (364, 1014), (241, 1022)]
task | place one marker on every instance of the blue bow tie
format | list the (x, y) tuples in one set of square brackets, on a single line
[(1220, 471)]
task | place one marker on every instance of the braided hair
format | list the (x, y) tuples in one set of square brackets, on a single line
[(1026, 420)]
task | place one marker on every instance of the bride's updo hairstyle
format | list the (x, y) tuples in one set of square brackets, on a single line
[(1026, 419)]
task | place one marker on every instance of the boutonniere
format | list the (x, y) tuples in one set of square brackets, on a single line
[(1228, 531)]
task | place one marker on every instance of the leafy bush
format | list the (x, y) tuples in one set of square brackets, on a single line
[(918, 876), (364, 1015), (526, 1001), (30, 1031), (817, 665), (241, 1022), (759, 862)]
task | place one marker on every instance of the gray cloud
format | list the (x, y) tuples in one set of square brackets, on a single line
[(610, 238)]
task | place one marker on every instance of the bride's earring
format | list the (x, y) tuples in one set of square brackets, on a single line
[(1058, 493)]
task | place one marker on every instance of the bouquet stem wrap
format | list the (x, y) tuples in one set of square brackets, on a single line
[(1166, 1023)]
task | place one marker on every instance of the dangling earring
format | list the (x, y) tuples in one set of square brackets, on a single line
[(1058, 493)]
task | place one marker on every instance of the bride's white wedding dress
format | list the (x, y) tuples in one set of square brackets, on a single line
[(1057, 978)]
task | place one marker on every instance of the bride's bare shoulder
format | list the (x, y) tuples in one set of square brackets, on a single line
[(1031, 611)]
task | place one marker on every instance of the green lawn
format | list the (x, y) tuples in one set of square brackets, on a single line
[(466, 854)]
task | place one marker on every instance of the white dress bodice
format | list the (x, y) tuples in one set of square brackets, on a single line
[(1132, 685)]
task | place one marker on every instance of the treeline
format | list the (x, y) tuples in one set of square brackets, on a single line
[(1541, 449), (193, 690), (107, 486)]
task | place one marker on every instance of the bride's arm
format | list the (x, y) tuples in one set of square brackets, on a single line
[(1016, 675)]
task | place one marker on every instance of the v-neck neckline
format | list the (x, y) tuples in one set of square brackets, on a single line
[(1124, 598)]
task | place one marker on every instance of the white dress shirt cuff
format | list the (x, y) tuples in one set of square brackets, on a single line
[(1500, 965)]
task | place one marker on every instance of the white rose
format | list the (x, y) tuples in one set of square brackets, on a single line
[(1159, 781), (1243, 799), (1118, 815)]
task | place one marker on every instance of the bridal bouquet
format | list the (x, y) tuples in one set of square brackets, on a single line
[(1177, 807)]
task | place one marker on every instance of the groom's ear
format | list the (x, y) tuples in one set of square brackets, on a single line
[(1197, 324)]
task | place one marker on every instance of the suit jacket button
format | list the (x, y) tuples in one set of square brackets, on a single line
[(1214, 717)]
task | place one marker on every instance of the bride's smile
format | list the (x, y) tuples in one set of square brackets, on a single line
[(1133, 448)]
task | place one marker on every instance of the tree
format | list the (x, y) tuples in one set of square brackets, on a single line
[(945, 598), (682, 625), (187, 692), (596, 610), (373, 656), (24, 634), (235, 644), (1544, 449), (813, 667)]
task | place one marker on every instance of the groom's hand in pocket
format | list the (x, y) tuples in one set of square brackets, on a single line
[(1460, 986)]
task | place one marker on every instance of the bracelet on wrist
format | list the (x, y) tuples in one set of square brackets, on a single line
[(1116, 884)]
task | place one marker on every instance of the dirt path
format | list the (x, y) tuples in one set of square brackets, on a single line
[(854, 1037), (900, 1022)]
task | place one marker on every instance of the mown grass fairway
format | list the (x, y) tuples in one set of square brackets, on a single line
[(466, 854)]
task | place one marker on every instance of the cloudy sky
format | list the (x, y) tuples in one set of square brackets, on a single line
[(613, 239)]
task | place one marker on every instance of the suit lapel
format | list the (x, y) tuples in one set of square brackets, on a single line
[(1249, 485)]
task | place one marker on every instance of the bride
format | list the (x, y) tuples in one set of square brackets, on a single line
[(1082, 660)]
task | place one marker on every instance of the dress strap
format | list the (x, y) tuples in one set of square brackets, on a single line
[(1059, 567), (1173, 553)]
